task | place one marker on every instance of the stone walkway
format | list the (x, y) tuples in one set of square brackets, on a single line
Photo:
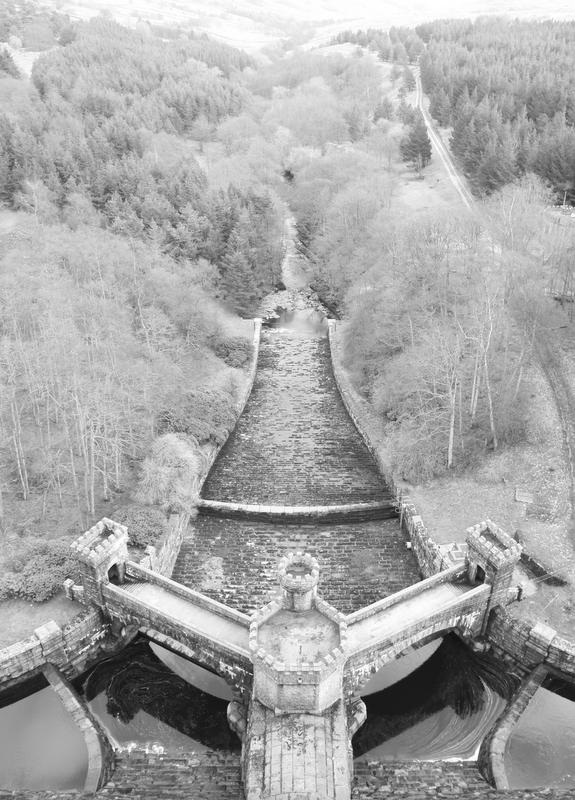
[(298, 754), (186, 614)]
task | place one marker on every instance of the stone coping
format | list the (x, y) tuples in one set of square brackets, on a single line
[(447, 576), (145, 575), (295, 513), (494, 745), (299, 583)]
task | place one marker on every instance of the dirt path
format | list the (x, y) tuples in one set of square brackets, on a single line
[(440, 149)]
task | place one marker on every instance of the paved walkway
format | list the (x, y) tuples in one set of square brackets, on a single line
[(189, 615), (409, 612), (293, 755)]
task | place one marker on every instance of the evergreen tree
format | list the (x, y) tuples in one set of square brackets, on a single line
[(415, 146)]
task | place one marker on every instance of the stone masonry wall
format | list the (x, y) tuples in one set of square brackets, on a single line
[(101, 759), (71, 649), (493, 746), (524, 645), (208, 776)]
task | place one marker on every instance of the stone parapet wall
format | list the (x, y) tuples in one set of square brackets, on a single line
[(447, 576), (71, 649), (493, 746), (464, 615), (198, 599), (429, 555), (101, 760), (524, 645)]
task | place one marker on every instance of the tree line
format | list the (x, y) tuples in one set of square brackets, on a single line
[(124, 283), (505, 88)]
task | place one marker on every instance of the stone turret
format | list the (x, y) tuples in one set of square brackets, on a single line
[(298, 643), (298, 575), (491, 558), (102, 552)]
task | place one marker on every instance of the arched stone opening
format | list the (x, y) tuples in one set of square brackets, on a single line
[(116, 574)]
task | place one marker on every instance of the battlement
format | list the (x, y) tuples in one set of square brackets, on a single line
[(102, 539), (492, 544)]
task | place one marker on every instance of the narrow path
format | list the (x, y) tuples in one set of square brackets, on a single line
[(440, 149)]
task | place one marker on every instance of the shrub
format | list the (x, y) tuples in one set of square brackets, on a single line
[(235, 352), (207, 415), (146, 524), (171, 473), (38, 573)]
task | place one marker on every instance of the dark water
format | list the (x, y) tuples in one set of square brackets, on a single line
[(441, 709), (139, 699)]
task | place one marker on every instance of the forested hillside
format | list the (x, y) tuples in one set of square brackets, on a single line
[(506, 88), (121, 282)]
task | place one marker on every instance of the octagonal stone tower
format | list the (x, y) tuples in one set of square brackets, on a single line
[(298, 643)]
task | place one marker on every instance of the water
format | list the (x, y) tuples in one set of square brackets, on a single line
[(435, 704), (305, 321), (137, 698), (41, 746), (541, 748)]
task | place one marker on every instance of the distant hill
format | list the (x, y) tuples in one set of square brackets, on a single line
[(252, 25)]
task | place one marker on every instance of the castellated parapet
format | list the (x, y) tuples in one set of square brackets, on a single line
[(102, 552), (298, 643), (492, 556)]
